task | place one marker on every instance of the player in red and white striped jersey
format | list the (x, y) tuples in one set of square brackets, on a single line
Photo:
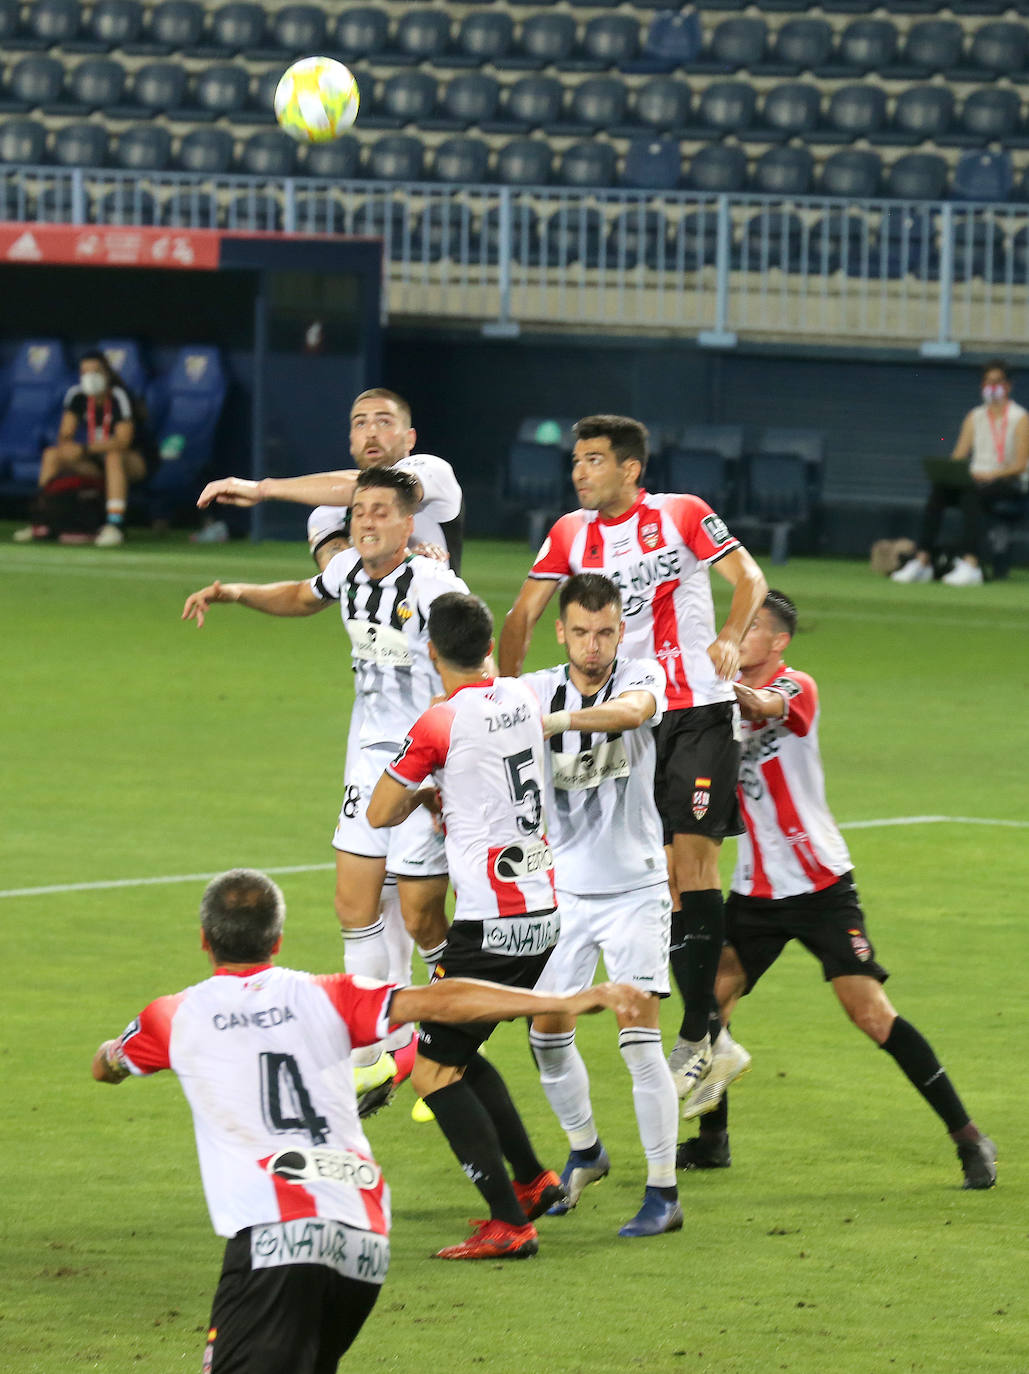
[(658, 551), (793, 880), (263, 1056)]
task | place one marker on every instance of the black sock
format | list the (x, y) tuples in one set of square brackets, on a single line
[(491, 1090), (716, 1122), (915, 1056), (473, 1138), (698, 932)]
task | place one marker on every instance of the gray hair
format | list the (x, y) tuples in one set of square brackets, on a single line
[(242, 913)]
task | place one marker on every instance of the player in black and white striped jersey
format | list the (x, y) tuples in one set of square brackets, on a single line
[(612, 884)]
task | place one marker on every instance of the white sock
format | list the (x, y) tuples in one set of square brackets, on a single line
[(399, 944), (434, 955), (655, 1101), (567, 1085), (365, 952)]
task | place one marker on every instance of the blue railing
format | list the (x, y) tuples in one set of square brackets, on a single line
[(935, 275)]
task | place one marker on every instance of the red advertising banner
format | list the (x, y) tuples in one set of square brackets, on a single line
[(87, 245)]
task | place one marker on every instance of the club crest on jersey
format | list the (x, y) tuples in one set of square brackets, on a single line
[(860, 945), (403, 612), (650, 534), (701, 797)]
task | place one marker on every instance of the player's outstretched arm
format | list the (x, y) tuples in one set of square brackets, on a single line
[(520, 621), (316, 489), (106, 1066), (274, 598), (468, 999), (759, 705), (749, 592), (627, 712)]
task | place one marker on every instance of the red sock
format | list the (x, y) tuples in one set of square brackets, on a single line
[(404, 1059)]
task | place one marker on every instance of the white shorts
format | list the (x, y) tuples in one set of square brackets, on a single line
[(412, 850), (630, 929)]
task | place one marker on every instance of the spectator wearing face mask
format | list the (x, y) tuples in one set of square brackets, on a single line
[(995, 437), (101, 433)]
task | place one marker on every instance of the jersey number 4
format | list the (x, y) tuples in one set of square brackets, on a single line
[(285, 1102)]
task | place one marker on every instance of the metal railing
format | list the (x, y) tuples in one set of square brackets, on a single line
[(932, 274)]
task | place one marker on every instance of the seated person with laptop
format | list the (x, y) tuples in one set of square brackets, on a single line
[(995, 437)]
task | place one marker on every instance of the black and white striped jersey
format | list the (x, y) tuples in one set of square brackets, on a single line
[(387, 621), (602, 821)]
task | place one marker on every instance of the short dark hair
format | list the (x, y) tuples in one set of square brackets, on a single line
[(591, 591), (783, 609), (628, 437), (242, 914), (460, 628), (997, 365), (396, 479), (382, 393)]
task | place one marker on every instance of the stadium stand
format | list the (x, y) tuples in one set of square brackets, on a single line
[(39, 378)]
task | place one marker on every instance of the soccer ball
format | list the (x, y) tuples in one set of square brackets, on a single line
[(316, 99)]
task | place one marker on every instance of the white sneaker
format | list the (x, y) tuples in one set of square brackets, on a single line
[(110, 537), (689, 1062), (30, 532), (217, 532), (964, 574), (729, 1062), (914, 570)]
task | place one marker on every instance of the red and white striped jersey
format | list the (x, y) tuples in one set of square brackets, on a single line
[(657, 554), (264, 1060), (792, 844), (483, 747)]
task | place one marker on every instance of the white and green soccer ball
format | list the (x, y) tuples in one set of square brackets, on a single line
[(316, 99)]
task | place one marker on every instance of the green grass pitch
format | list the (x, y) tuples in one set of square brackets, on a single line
[(137, 747)]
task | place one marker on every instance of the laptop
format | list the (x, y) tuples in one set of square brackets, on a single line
[(947, 472)]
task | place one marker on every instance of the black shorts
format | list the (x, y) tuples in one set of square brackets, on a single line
[(464, 957), (829, 924), (294, 1319), (698, 765)]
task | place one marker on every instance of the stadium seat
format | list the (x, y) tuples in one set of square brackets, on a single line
[(857, 110), (783, 172), (397, 157), (444, 230), (126, 357), (260, 108), (126, 203), (146, 148), (802, 44), (739, 43), (192, 397), (727, 107), (701, 472), (531, 102), (361, 32), (461, 159), (36, 81), (222, 89), (917, 176), (208, 151), (933, 45), (389, 219), (663, 104), (159, 87), (16, 204), (525, 236), (237, 26), (54, 22), (319, 213), (408, 97), (470, 98), (112, 24), (838, 240), (22, 140), (695, 240), (980, 248), (921, 113), (524, 162), (1000, 47), (485, 35), (270, 153), (674, 39), (991, 112), (778, 497), (852, 172), (254, 210), (423, 33), (598, 103), (868, 44), (718, 167), (611, 40), (534, 481), (176, 25), (771, 239), (191, 207), (39, 378), (636, 235), (55, 204), (589, 163), (653, 164), (791, 110), (545, 38), (298, 29), (10, 22), (982, 175), (81, 145), (573, 233), (339, 160), (97, 83)]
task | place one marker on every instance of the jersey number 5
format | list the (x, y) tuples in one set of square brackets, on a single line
[(524, 789), (285, 1102)]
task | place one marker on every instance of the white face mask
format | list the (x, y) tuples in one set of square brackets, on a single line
[(996, 392), (93, 383)]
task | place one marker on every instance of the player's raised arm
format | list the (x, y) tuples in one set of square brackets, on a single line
[(274, 598), (520, 621), (469, 999), (316, 489), (749, 592)]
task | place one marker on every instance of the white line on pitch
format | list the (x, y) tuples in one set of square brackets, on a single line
[(53, 888)]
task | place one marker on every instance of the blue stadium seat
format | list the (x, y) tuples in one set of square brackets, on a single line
[(191, 207), (16, 203), (1000, 47), (778, 497), (933, 45), (470, 98), (81, 145), (791, 110), (126, 357), (545, 38), (159, 87), (298, 29), (534, 480), (39, 378), (176, 25), (802, 44), (209, 151), (531, 102), (146, 148), (573, 233), (783, 172), (772, 238), (728, 107), (97, 83), (36, 81), (982, 175), (408, 97), (254, 209), (589, 163), (260, 109), (739, 42), (857, 110), (598, 103), (923, 112), (22, 140), (991, 112), (636, 235), (663, 104), (191, 399), (444, 230), (222, 89), (397, 157), (524, 162), (319, 213), (389, 219), (674, 39), (339, 160), (361, 32), (699, 471), (237, 26), (852, 172), (10, 22), (653, 164), (461, 159), (718, 167), (525, 233), (485, 35), (270, 153), (695, 240), (423, 33), (126, 203), (112, 24), (868, 44), (54, 204), (611, 39), (917, 176), (838, 240), (54, 22)]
